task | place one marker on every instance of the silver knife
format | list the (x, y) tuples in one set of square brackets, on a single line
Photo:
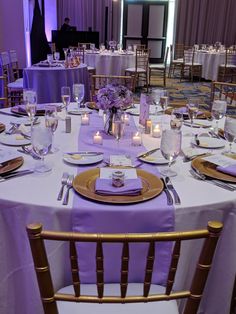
[(15, 174), (84, 153), (148, 153), (172, 189), (167, 192)]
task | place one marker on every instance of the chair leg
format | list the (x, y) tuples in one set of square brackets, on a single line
[(164, 78)]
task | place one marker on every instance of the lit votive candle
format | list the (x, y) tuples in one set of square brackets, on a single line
[(85, 119), (126, 119), (156, 132), (136, 139), (97, 139), (148, 126)]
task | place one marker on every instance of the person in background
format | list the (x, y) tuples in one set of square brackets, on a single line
[(66, 27)]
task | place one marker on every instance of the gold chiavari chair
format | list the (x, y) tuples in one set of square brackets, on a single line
[(140, 71), (159, 68), (227, 71), (224, 91), (190, 66), (3, 90), (160, 299)]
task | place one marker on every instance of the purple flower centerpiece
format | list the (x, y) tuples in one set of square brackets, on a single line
[(113, 99)]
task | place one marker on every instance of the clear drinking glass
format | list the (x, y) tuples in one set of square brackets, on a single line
[(230, 131), (51, 122), (65, 96), (218, 111), (118, 126), (50, 59), (41, 139), (170, 149), (192, 108), (78, 93), (30, 101), (65, 50), (160, 99), (176, 120), (57, 56)]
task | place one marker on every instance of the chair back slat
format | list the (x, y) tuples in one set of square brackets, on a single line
[(173, 267), (74, 268), (149, 269), (100, 269), (124, 270), (3, 91), (142, 58)]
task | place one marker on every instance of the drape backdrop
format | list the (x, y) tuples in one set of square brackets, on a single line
[(206, 21), (90, 13)]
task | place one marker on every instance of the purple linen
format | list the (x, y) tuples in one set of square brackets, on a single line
[(131, 187), (231, 170), (150, 216)]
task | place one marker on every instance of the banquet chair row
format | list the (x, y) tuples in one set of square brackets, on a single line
[(9, 68), (224, 91), (123, 296)]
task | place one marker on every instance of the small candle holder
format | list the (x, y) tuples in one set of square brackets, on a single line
[(126, 119), (136, 139), (118, 178), (148, 126), (85, 119), (97, 139), (156, 131)]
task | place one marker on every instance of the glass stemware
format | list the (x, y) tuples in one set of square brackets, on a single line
[(118, 125), (51, 122), (170, 149), (65, 50), (218, 111), (160, 98), (41, 138), (176, 120), (57, 56), (30, 101), (78, 94), (230, 131), (192, 108), (65, 96)]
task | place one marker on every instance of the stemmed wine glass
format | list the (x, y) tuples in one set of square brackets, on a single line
[(118, 125), (170, 149), (78, 93), (176, 120), (57, 56), (160, 98), (65, 96), (30, 101), (192, 108), (218, 111), (41, 139), (230, 131), (65, 50), (51, 122)]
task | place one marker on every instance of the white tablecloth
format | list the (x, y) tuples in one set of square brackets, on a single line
[(110, 63), (210, 63), (48, 81), (32, 198)]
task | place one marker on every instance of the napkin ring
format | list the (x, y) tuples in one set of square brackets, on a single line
[(118, 178)]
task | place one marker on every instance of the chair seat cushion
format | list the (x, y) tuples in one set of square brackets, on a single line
[(164, 307), (90, 68), (156, 66), (19, 80), (178, 60), (15, 85), (139, 70)]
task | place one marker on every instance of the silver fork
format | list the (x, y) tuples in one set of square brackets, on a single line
[(12, 129), (63, 183), (69, 186)]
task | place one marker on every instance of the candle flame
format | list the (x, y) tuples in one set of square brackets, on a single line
[(97, 133)]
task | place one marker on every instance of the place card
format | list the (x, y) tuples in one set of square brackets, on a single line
[(106, 173), (221, 160), (120, 160)]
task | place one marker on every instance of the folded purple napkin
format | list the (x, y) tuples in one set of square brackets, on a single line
[(231, 170), (131, 187), (184, 110)]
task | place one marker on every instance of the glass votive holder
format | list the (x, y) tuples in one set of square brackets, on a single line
[(126, 119), (85, 119), (156, 131), (136, 139), (148, 126), (97, 138)]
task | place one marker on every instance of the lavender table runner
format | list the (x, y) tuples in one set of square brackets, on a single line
[(150, 216)]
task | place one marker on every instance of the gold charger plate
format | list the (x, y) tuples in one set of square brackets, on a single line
[(209, 169), (84, 184), (2, 127), (205, 114), (11, 165), (92, 105)]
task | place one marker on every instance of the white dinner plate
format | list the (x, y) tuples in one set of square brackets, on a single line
[(209, 142), (77, 159), (197, 123), (155, 158), (80, 111), (13, 140)]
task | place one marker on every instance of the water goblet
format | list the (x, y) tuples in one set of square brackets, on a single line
[(218, 111), (41, 138), (30, 101), (230, 131), (65, 50), (65, 96), (192, 108), (51, 122), (176, 120), (78, 94), (118, 126), (57, 56), (164, 100), (170, 149), (50, 59)]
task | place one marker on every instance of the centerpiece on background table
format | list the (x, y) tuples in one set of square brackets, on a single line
[(113, 99)]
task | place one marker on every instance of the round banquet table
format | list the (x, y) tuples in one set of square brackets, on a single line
[(47, 81), (110, 63), (210, 62), (32, 198)]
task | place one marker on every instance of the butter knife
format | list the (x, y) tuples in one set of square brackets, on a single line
[(84, 153), (172, 189), (15, 174), (148, 153), (167, 192)]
